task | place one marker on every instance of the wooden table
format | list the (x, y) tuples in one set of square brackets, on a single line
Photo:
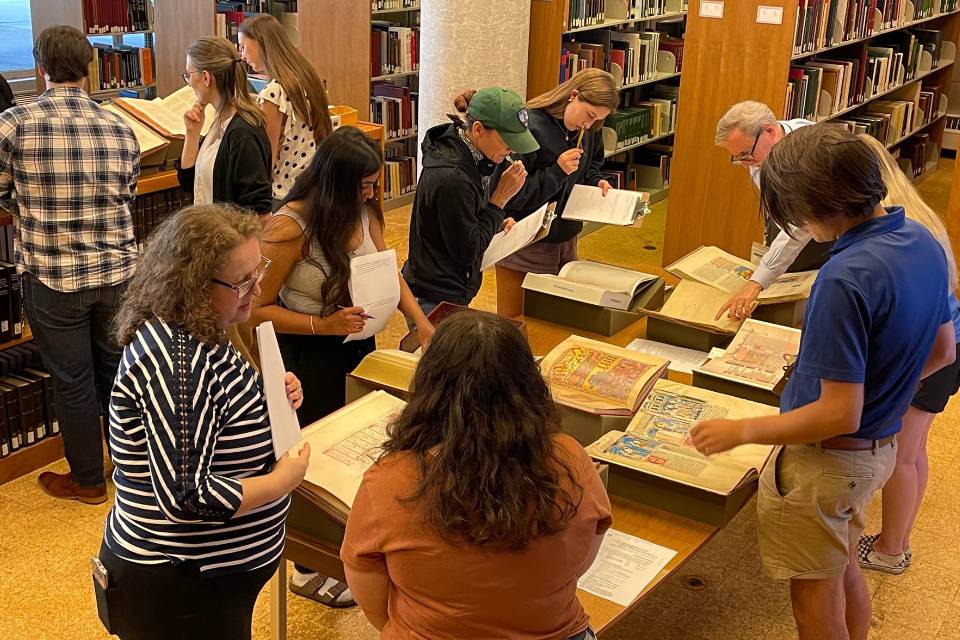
[(681, 534)]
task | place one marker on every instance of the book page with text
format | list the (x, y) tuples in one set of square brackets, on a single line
[(605, 276), (714, 267), (618, 207)]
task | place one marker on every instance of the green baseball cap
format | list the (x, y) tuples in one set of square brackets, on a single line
[(504, 111)]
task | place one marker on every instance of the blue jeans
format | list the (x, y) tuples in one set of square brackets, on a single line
[(427, 306), (586, 634), (75, 334)]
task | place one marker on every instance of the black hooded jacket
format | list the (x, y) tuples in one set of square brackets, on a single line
[(452, 221), (546, 181)]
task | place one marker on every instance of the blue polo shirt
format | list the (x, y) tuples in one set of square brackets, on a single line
[(872, 318)]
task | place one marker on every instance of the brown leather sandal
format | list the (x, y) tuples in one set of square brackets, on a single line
[(329, 598)]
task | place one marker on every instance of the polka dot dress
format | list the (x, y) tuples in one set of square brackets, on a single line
[(296, 141)]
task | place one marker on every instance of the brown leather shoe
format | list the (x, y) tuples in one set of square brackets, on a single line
[(63, 486)]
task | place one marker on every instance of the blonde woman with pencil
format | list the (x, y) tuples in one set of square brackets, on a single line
[(567, 123), (889, 550)]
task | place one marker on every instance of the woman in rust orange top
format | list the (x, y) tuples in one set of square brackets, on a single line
[(480, 517)]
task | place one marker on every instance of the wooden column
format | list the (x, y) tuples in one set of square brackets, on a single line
[(725, 61), (953, 211), (543, 53), (178, 23), (335, 38)]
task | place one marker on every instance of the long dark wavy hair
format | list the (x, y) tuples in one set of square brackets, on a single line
[(480, 424), (331, 191)]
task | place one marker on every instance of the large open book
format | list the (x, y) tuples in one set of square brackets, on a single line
[(388, 369), (165, 115), (727, 272), (657, 441), (619, 206), (600, 378), (149, 140), (345, 444), (757, 356), (603, 285), (695, 305)]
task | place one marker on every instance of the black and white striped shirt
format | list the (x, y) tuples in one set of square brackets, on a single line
[(187, 421)]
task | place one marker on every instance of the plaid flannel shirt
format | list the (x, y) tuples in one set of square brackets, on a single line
[(68, 172)]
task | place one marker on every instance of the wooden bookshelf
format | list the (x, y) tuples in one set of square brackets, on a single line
[(46, 13), (28, 459), (713, 202)]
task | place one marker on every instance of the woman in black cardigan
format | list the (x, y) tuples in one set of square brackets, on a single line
[(231, 163)]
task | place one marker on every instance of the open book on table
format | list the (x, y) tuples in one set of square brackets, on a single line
[(657, 440), (600, 378), (603, 285), (345, 444), (757, 356), (694, 304), (619, 207), (728, 273), (165, 115)]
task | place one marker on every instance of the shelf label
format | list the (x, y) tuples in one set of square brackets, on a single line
[(711, 9), (769, 15)]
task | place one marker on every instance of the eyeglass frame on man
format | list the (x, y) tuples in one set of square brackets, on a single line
[(249, 283), (744, 159)]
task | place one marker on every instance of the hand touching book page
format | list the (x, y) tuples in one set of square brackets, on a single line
[(728, 273), (619, 206), (694, 304), (595, 283), (600, 378), (657, 441)]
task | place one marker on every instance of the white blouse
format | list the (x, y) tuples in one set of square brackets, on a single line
[(297, 145), (206, 158)]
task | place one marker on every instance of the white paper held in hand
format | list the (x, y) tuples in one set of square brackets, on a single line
[(619, 207), (375, 286), (506, 243), (284, 425)]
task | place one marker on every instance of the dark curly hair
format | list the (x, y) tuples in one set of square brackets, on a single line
[(481, 424), (172, 280)]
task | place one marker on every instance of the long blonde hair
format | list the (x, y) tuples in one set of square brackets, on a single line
[(901, 192), (173, 276), (594, 86), (219, 58), (292, 70)]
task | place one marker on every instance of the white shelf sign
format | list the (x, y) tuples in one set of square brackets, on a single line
[(711, 9), (769, 15)]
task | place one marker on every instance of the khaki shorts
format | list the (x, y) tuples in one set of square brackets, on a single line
[(810, 502)]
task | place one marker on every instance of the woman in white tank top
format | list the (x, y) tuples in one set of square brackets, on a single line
[(324, 221)]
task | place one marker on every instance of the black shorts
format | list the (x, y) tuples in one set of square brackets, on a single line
[(936, 390)]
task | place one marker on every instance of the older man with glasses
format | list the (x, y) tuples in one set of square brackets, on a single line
[(749, 130)]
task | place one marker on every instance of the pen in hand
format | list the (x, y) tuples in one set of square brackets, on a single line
[(365, 316)]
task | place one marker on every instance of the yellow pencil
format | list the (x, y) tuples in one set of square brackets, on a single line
[(580, 138)]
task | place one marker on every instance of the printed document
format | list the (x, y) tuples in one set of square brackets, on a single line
[(619, 206), (284, 425), (375, 286), (682, 360), (507, 243), (624, 567)]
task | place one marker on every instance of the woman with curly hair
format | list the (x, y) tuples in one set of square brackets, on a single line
[(197, 528), (480, 516)]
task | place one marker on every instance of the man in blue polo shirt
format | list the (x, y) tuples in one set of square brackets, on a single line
[(877, 323)]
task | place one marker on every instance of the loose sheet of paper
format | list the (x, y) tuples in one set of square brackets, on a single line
[(507, 243), (624, 567), (284, 425), (375, 286), (618, 207), (682, 360)]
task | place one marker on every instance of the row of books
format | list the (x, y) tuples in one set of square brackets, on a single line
[(953, 122), (585, 13), (827, 23), (11, 304), (641, 118), (123, 66), (150, 209), (27, 411), (395, 107), (871, 68), (630, 55), (648, 168), (117, 16), (384, 5), (885, 120), (913, 154), (228, 24), (399, 174), (243, 6), (393, 49)]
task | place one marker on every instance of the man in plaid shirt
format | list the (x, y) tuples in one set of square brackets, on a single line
[(68, 172)]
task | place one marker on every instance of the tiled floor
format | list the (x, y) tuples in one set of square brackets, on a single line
[(45, 544)]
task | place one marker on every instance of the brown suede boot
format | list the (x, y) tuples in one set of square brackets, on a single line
[(63, 486)]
